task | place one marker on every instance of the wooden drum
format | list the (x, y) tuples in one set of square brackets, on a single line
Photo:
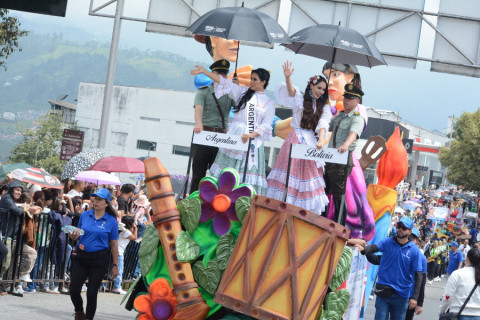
[(283, 262)]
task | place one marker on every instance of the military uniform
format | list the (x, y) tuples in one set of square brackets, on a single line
[(342, 125), (215, 119)]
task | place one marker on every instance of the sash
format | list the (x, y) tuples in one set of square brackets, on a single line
[(251, 128)]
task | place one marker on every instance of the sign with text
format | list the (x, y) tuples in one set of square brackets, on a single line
[(220, 140), (302, 151), (72, 143)]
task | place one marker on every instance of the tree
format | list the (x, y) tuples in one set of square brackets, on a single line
[(462, 159), (40, 146), (9, 35)]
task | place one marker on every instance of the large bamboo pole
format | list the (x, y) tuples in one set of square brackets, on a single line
[(166, 218)]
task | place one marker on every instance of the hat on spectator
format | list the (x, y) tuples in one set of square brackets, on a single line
[(142, 201), (454, 244), (415, 232), (407, 222), (104, 194)]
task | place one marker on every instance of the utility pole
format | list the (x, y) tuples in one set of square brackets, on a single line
[(112, 63)]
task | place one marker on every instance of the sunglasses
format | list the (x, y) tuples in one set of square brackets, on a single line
[(402, 227)]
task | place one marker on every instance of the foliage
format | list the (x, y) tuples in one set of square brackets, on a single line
[(190, 211), (40, 146), (335, 305), (241, 207), (462, 159), (148, 248), (187, 248), (10, 33), (343, 268)]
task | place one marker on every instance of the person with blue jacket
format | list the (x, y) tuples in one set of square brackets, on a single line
[(98, 242), (400, 273)]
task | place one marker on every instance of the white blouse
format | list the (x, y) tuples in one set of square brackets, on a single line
[(264, 111), (296, 104), (458, 287)]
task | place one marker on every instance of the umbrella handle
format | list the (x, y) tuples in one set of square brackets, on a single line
[(236, 61)]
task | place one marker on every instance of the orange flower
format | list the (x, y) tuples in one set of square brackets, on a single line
[(158, 304)]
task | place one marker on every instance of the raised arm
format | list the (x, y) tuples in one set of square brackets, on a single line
[(211, 75), (287, 72)]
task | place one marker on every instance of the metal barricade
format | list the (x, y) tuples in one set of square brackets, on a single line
[(53, 247)]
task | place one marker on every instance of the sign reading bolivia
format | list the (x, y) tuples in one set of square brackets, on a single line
[(220, 140), (302, 151)]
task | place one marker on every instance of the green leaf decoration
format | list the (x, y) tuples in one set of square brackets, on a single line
[(225, 246), (207, 277), (241, 207), (190, 211), (130, 289), (335, 305), (343, 268), (148, 248), (187, 248)]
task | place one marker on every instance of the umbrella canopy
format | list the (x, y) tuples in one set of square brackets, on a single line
[(37, 176), (81, 162), (399, 210), (447, 197), (239, 23), (98, 177), (336, 44), (119, 164), (461, 196)]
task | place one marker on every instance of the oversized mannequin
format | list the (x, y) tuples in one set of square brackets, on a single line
[(219, 49)]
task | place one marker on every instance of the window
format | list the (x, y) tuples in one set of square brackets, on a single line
[(150, 119), (146, 145), (186, 123), (267, 154), (181, 150)]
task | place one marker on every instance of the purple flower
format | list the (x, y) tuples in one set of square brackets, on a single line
[(219, 197)]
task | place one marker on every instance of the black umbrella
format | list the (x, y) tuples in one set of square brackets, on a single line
[(239, 23), (447, 197), (336, 44)]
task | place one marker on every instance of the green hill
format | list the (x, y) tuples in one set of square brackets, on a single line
[(49, 66)]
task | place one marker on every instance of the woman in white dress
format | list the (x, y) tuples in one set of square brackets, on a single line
[(311, 114), (252, 119)]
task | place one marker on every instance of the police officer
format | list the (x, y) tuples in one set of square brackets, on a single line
[(346, 128), (211, 114)]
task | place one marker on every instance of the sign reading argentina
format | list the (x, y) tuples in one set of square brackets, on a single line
[(302, 151), (220, 140)]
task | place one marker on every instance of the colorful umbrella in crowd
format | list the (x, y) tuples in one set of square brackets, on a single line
[(81, 162), (98, 177), (119, 164), (9, 167), (37, 176)]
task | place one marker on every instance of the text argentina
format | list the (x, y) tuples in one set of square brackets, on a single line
[(221, 140)]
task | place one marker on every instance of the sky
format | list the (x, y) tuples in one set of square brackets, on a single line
[(421, 97)]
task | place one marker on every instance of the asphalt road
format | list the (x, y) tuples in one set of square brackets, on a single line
[(433, 294), (47, 306)]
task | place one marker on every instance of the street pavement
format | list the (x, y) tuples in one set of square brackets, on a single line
[(433, 294), (47, 306)]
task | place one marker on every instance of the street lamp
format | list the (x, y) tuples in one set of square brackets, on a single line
[(152, 145)]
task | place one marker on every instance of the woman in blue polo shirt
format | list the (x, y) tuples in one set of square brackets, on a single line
[(100, 239)]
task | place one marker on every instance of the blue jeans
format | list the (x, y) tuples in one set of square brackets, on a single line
[(393, 307), (117, 283), (38, 263), (469, 318)]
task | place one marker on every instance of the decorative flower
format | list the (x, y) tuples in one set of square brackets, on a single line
[(219, 197), (159, 304)]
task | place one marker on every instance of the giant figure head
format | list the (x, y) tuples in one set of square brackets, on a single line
[(219, 48), (338, 76)]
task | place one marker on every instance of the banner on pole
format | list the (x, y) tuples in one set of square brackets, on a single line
[(220, 140), (302, 151)]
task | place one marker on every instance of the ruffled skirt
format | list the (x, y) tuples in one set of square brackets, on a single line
[(306, 186)]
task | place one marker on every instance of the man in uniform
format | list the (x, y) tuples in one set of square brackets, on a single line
[(347, 127), (211, 114)]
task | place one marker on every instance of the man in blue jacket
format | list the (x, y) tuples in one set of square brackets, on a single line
[(400, 259)]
